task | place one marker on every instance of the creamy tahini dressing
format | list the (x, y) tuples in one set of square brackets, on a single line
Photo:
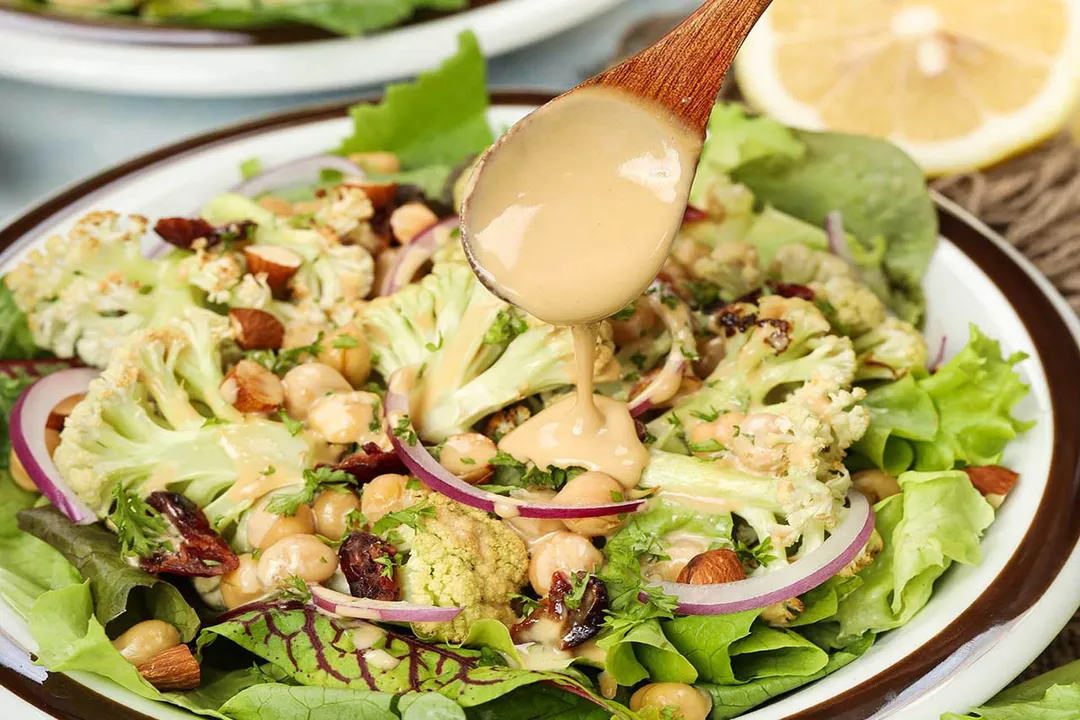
[(570, 217)]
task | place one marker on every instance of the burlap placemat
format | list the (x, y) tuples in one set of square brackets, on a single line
[(1034, 202)]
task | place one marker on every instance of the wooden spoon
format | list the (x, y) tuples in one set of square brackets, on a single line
[(684, 70)]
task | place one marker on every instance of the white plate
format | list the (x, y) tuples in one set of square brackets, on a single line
[(984, 624), (276, 69)]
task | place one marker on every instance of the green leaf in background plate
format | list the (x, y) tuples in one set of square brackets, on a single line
[(936, 520), (117, 587), (438, 120), (974, 393), (878, 189), (730, 701)]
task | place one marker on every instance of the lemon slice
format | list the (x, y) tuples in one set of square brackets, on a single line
[(959, 84)]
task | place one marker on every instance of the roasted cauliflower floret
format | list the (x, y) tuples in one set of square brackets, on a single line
[(463, 557), (890, 350), (84, 294), (731, 266), (157, 418)]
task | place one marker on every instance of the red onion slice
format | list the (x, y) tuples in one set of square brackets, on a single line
[(28, 419), (441, 480), (834, 231), (348, 606), (413, 256), (297, 172), (677, 320), (801, 576)]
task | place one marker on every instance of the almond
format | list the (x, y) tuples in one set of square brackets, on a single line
[(410, 220), (381, 195), (712, 568), (174, 669), (993, 481), (277, 263), (383, 163), (59, 414), (256, 329), (253, 388)]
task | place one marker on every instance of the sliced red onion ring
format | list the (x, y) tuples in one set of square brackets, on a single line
[(413, 256), (297, 172), (834, 231), (348, 606), (693, 214), (667, 381), (803, 575), (441, 480), (936, 335), (28, 419)]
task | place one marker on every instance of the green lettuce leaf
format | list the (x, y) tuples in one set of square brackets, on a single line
[(28, 566), (317, 650), (438, 120), (538, 702), (730, 701), (736, 138), (938, 519), (16, 341), (768, 652), (900, 412), (706, 642), (878, 189), (1059, 702), (645, 653), (121, 593), (974, 394), (291, 702)]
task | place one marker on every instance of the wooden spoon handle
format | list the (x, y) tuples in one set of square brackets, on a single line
[(684, 70)]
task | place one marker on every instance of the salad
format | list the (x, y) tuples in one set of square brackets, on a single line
[(340, 17), (245, 479)]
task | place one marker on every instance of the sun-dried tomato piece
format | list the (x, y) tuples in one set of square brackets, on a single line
[(693, 214), (578, 624), (183, 232), (367, 562), (791, 290), (371, 463), (202, 553)]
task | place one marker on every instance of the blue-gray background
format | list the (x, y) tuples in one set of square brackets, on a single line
[(50, 137)]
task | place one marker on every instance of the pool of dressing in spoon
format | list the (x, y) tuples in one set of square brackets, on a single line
[(570, 217)]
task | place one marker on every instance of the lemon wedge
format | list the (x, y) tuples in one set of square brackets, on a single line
[(959, 84)]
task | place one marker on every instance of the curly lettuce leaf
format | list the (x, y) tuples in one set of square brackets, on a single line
[(938, 519), (900, 412), (878, 189), (736, 138), (438, 120), (974, 393), (317, 650), (121, 593), (1059, 702), (730, 701)]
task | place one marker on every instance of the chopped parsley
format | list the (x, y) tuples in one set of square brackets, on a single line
[(709, 446), (390, 564), (507, 326), (404, 431), (528, 604), (282, 361), (409, 517), (639, 360), (760, 554), (288, 504), (296, 587), (354, 520), (509, 472), (706, 416), (703, 294), (626, 313), (293, 426), (579, 583), (250, 168), (140, 528)]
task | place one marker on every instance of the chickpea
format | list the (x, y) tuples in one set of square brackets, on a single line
[(678, 555), (591, 488), (346, 350), (19, 474), (692, 703), (565, 552), (331, 509), (308, 383), (875, 484), (301, 334), (304, 556), (264, 528), (384, 263), (242, 585), (381, 162), (382, 495), (346, 417), (52, 440), (145, 640), (468, 456), (636, 326), (410, 220)]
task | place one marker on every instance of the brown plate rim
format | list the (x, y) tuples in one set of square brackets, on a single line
[(127, 30), (1023, 580)]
